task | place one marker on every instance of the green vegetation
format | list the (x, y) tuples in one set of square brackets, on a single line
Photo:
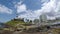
[(14, 22), (1, 28)]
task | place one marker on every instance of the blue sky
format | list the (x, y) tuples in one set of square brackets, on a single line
[(29, 9), (9, 4)]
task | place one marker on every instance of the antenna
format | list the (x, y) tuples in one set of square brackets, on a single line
[(16, 15), (16, 11)]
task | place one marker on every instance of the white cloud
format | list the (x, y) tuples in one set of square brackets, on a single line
[(53, 6), (29, 15), (21, 8), (49, 7), (50, 18), (4, 9)]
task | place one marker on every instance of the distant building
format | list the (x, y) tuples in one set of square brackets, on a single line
[(57, 18), (36, 22), (26, 20), (43, 18)]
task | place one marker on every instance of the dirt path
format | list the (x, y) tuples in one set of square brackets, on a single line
[(51, 31)]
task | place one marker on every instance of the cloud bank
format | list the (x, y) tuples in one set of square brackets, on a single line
[(51, 7), (48, 7), (4, 9)]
